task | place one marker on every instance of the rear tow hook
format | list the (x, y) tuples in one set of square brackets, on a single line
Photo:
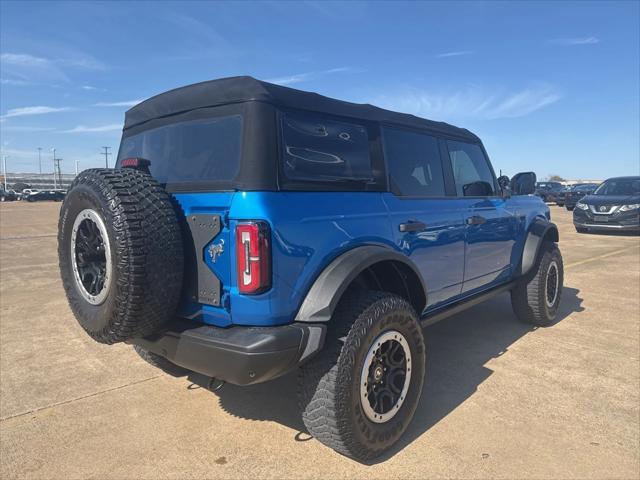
[(215, 384)]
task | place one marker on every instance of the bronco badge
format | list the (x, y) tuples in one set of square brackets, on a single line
[(215, 250)]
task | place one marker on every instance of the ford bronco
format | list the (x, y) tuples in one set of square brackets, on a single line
[(249, 230)]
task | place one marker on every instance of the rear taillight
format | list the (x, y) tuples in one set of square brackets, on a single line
[(253, 254)]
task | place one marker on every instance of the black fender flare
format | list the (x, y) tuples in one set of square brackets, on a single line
[(325, 293), (539, 229)]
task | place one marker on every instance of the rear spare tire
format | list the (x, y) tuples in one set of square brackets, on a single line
[(120, 253)]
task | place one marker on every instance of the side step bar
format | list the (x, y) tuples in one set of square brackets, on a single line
[(444, 312)]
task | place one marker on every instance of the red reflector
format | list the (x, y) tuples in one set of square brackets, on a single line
[(253, 254)]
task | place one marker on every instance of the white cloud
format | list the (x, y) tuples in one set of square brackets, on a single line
[(23, 59), (471, 103), (82, 62), (522, 103), (127, 103), (455, 54), (37, 110), (569, 42), (20, 128), (304, 77), (13, 81), (102, 128), (32, 68), (91, 88)]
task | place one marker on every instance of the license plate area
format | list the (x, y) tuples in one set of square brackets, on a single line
[(600, 218)]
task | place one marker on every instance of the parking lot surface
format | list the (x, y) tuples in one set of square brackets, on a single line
[(501, 399)]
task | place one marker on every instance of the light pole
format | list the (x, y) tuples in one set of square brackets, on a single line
[(54, 168), (4, 165), (106, 154), (59, 172), (77, 162), (40, 160)]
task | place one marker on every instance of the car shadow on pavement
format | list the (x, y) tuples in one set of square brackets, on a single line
[(458, 350)]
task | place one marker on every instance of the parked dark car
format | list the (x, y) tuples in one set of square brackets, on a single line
[(548, 191), (571, 197), (7, 195), (561, 194), (615, 205), (55, 195)]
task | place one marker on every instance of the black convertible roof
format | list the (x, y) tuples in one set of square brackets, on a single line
[(231, 90)]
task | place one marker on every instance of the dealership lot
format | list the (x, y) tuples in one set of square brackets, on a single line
[(500, 400)]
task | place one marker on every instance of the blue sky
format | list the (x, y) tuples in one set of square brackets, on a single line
[(552, 87)]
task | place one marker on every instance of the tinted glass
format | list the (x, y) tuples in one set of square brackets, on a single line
[(196, 151), (318, 148), (414, 164), (620, 186), (471, 170)]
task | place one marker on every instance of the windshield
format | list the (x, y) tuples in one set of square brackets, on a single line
[(189, 152), (619, 186)]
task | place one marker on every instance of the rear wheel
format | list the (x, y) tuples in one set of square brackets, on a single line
[(360, 393), (536, 298)]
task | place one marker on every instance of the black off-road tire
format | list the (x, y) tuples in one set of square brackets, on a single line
[(145, 244), (330, 383), (160, 362), (530, 300)]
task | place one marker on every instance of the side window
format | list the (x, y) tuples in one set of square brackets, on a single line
[(413, 159), (319, 148), (471, 170)]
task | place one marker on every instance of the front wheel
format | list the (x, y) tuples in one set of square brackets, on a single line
[(360, 393), (536, 298)]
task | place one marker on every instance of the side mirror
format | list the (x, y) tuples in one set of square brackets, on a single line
[(523, 183), (505, 186)]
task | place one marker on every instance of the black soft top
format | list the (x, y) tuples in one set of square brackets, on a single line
[(226, 91)]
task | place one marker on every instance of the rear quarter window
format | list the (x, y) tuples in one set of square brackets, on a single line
[(206, 150), (323, 149)]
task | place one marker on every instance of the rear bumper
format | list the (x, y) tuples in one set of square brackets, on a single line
[(238, 355)]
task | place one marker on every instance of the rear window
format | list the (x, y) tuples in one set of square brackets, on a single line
[(319, 148), (188, 152)]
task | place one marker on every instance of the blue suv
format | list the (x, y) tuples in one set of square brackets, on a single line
[(250, 229)]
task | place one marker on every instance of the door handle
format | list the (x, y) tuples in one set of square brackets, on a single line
[(476, 220), (412, 226)]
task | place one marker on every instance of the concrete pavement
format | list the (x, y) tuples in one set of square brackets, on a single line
[(501, 400)]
